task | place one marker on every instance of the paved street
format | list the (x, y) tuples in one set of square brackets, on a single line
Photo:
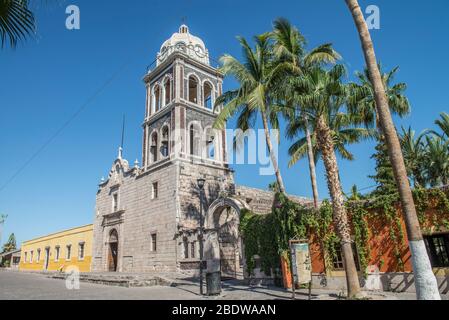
[(15, 285)]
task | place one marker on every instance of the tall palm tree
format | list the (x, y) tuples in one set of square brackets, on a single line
[(362, 99), (320, 91), (16, 21), (425, 281), (290, 48), (342, 131), (437, 161), (414, 151), (256, 93)]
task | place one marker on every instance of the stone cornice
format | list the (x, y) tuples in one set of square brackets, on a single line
[(172, 58)]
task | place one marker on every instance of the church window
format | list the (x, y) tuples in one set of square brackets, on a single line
[(186, 248), (157, 98), (154, 192), (165, 142), (193, 249), (26, 256), (31, 256), (167, 90), (69, 252), (193, 89), (153, 148), (153, 242), (208, 103), (115, 202), (38, 258), (210, 144), (194, 140)]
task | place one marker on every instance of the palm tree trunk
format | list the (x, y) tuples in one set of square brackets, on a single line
[(326, 146), (272, 155), (425, 281), (311, 164)]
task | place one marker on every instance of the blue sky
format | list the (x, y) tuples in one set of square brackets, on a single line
[(45, 80)]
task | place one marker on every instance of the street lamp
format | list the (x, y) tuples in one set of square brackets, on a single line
[(201, 183)]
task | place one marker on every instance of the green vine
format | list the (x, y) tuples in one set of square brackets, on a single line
[(267, 236)]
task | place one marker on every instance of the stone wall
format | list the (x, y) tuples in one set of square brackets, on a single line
[(139, 216), (261, 201)]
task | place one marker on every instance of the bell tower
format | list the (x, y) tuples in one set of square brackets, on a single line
[(180, 95), (147, 217), (179, 135)]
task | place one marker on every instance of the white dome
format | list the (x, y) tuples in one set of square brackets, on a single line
[(185, 42)]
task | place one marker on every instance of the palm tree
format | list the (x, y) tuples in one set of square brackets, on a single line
[(362, 98), (443, 123), (256, 93), (319, 91), (425, 281), (414, 151), (290, 49), (362, 101), (437, 161), (16, 21), (342, 133)]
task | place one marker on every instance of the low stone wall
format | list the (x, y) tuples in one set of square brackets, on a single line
[(388, 282)]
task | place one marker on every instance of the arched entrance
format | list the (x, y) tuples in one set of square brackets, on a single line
[(113, 251), (223, 218)]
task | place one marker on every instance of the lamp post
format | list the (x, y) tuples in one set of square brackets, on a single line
[(201, 183)]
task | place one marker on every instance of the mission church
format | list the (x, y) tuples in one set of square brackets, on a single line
[(147, 216)]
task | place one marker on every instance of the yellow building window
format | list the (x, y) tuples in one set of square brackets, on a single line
[(81, 251), (69, 252), (57, 251)]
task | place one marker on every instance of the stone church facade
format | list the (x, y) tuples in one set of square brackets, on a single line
[(147, 216)]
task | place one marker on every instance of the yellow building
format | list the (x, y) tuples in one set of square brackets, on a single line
[(58, 251)]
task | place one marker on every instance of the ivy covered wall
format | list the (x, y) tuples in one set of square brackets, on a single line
[(377, 225)]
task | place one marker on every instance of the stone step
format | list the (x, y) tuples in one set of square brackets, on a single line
[(120, 280)]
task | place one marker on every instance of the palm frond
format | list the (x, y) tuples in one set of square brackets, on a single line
[(16, 21)]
